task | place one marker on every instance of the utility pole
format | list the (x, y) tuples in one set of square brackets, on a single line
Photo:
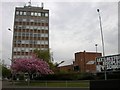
[(102, 43)]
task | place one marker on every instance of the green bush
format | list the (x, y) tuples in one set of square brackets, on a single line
[(67, 76)]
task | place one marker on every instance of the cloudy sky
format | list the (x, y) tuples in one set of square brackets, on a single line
[(74, 27)]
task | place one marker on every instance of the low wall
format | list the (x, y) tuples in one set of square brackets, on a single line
[(105, 84)]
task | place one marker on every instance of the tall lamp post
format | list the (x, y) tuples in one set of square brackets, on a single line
[(11, 60), (102, 43)]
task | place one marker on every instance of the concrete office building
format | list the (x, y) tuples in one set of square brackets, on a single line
[(31, 31)]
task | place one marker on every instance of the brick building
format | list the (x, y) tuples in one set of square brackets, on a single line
[(31, 31), (67, 68), (85, 61)]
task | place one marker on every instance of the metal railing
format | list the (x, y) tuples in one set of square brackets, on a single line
[(33, 83)]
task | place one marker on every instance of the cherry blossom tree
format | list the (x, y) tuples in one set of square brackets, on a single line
[(31, 66)]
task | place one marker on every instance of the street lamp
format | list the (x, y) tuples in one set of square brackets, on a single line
[(102, 43), (11, 61), (96, 48)]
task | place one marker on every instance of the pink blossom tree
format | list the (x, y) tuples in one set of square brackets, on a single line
[(30, 66)]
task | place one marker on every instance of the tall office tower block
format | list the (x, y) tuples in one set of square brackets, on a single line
[(31, 31)]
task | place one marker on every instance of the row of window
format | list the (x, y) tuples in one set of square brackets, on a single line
[(44, 14), (27, 49), (30, 42), (28, 34), (31, 20), (21, 56), (31, 27)]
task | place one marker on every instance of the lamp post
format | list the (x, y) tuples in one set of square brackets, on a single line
[(96, 49), (95, 59), (102, 43), (11, 60)]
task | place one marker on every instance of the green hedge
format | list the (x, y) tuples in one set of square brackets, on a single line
[(68, 76)]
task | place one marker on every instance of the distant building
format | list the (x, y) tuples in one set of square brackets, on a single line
[(31, 31), (67, 68), (85, 61)]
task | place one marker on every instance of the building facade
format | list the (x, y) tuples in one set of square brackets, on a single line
[(67, 68), (31, 31), (85, 61)]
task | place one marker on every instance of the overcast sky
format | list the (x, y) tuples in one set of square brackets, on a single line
[(74, 27)]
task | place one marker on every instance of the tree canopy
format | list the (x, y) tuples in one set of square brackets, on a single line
[(6, 73), (43, 54), (31, 66)]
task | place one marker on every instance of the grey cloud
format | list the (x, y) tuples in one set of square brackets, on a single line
[(74, 26)]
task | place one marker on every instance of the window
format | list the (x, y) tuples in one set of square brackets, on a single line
[(39, 27), (14, 56), (46, 42), (46, 35), (27, 34), (27, 27), (39, 14), (15, 27), (27, 49), (32, 13), (23, 49), (24, 20), (42, 27), (28, 19), (39, 34), (27, 41), (24, 27), (17, 20), (35, 27), (31, 27), (24, 13), (23, 42), (31, 34), (19, 49), (42, 20), (35, 14), (15, 49), (42, 35), (46, 14), (28, 13), (23, 34), (35, 35), (31, 20), (19, 34), (43, 14), (19, 26), (17, 12), (38, 42), (15, 34), (42, 42), (46, 28), (21, 13), (18, 41)]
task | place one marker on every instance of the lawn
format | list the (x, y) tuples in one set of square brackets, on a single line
[(55, 84)]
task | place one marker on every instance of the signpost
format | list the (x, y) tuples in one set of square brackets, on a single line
[(112, 63)]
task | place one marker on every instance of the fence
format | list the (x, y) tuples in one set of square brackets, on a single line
[(32, 83)]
